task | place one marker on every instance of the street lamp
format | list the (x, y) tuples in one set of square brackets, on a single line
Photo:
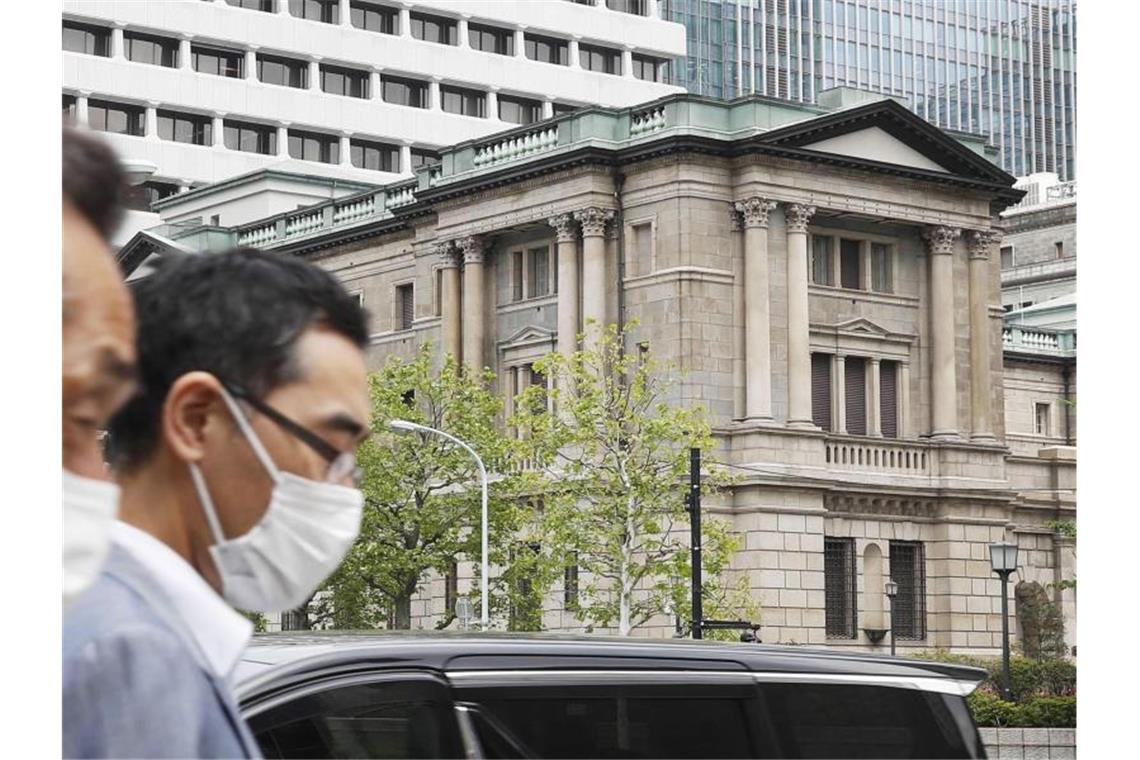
[(485, 615), (892, 590), (1003, 561)]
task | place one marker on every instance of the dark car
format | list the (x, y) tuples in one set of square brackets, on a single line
[(326, 695)]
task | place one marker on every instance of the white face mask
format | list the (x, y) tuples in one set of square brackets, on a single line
[(89, 510), (299, 541)]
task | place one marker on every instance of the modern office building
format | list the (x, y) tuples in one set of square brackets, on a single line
[(1002, 68), (206, 90)]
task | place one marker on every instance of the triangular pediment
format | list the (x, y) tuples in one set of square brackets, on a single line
[(528, 335), (862, 326), (875, 144)]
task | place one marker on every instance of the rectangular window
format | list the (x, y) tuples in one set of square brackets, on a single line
[(265, 6), (83, 38), (646, 68), (821, 260), (379, 157), (519, 110), (547, 50), (250, 138), (881, 268), (1041, 419), (434, 29), (855, 394), (517, 278), (404, 92), (463, 102), (143, 48), (325, 11), (283, 71), (643, 247), (422, 157), (888, 399), (821, 391), (839, 587), (314, 146), (538, 265), (636, 7), (348, 82), (185, 128), (405, 306), (374, 18), (850, 275), (491, 39), (116, 118), (600, 59), (224, 63), (570, 583), (908, 570), (1006, 256)]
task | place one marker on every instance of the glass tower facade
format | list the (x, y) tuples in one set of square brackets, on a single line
[(1002, 68)]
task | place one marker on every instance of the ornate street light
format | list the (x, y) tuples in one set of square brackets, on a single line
[(892, 590), (1003, 561)]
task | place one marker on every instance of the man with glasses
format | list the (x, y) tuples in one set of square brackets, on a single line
[(239, 486)]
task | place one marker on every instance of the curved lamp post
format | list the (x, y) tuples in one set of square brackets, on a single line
[(1003, 561), (892, 590), (485, 615)]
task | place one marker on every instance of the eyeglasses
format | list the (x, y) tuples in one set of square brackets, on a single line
[(342, 464)]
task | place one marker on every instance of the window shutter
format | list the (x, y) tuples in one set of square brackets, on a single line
[(849, 264), (821, 390), (888, 399), (517, 275), (855, 391), (540, 273), (407, 307)]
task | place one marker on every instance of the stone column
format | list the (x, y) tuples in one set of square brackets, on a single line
[(652, 10), (567, 233), (943, 387), (593, 221), (981, 406), (757, 323), (435, 102), (283, 139), (375, 87), (473, 301), (464, 36), (345, 13), (904, 399), (839, 393), (627, 62), (874, 400), (82, 116), (315, 73), (251, 63), (405, 22), (346, 149), (118, 49), (547, 108), (219, 130), (520, 41), (449, 307), (493, 103), (185, 58), (150, 127), (739, 377), (283, 7), (575, 56), (797, 216), (405, 158)]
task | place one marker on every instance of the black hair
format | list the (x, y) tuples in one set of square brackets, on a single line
[(93, 180), (237, 315)]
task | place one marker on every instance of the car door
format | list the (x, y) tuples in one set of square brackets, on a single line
[(407, 714)]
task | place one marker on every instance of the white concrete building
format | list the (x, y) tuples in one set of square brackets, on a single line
[(365, 91)]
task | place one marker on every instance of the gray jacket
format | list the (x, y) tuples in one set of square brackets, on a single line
[(135, 683)]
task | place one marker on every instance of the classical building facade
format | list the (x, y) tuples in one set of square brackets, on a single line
[(829, 283)]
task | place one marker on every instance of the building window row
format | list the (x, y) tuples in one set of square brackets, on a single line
[(907, 568), (840, 404), (335, 80), (532, 275), (852, 263), (244, 136)]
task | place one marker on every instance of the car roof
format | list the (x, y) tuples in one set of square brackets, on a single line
[(460, 651)]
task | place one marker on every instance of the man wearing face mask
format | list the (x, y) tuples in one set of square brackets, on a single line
[(236, 461), (98, 352)]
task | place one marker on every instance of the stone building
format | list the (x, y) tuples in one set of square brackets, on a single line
[(827, 279)]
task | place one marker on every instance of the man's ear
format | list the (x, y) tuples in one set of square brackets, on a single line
[(193, 410)]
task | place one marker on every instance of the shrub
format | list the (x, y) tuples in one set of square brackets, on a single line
[(991, 710)]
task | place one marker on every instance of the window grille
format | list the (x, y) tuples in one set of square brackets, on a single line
[(908, 570), (821, 391), (839, 587)]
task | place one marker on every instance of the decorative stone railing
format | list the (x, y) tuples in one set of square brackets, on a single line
[(1062, 191), (401, 197), (901, 457), (258, 236), (517, 145), (1038, 270), (1039, 339), (326, 216), (647, 121), (355, 209), (303, 224)]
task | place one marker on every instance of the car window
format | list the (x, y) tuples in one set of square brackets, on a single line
[(855, 721), (381, 719), (613, 722)]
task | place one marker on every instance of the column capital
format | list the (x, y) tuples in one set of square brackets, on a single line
[(980, 242), (565, 227), (754, 210), (798, 215), (473, 248), (593, 220), (447, 255), (940, 240), (735, 220)]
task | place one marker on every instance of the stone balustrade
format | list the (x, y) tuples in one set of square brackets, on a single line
[(647, 121), (1039, 340), (357, 208), (886, 456), (258, 236), (402, 196), (1062, 191), (304, 223), (516, 145)]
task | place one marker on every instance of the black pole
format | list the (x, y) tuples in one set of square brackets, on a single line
[(695, 539), (891, 622), (1005, 637)]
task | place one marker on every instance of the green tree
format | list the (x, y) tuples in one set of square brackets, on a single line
[(422, 496), (616, 457)]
